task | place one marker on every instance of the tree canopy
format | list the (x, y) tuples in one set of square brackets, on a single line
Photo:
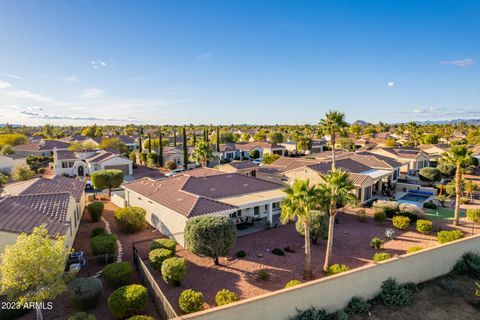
[(107, 179)]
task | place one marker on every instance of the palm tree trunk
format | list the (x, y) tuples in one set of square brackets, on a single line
[(331, 225), (332, 139), (458, 193), (307, 268)]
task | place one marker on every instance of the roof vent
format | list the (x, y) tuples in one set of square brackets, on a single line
[(245, 184), (213, 189)]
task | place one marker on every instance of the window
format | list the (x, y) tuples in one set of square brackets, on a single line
[(139, 198), (64, 165), (70, 164), (395, 173)]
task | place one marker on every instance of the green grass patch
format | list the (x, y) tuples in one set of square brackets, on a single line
[(443, 213)]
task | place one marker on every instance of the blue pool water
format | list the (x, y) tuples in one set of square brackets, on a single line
[(413, 198)]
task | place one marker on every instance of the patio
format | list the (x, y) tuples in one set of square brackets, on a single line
[(260, 225)]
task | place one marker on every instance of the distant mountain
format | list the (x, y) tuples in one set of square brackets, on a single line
[(455, 121), (361, 123), (13, 125)]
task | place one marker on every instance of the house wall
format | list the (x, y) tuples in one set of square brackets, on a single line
[(6, 164), (74, 216), (117, 161), (7, 238)]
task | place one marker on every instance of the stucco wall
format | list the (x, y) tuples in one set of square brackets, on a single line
[(333, 293), (7, 238)]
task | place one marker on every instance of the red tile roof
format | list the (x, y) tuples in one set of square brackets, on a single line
[(56, 184)]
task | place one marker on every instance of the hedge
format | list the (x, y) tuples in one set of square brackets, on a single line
[(424, 226), (128, 301), (292, 283), (96, 210), (157, 256), (414, 249), (84, 293), (80, 316), (401, 222), (98, 231), (118, 274), (174, 270), (190, 301), (104, 247), (381, 256), (447, 236), (130, 219), (163, 244)]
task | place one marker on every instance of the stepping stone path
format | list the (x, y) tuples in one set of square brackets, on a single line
[(119, 245)]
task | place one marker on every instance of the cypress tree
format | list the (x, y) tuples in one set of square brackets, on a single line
[(194, 137), (218, 139), (140, 146), (149, 143), (185, 149), (174, 137), (160, 148), (205, 134)]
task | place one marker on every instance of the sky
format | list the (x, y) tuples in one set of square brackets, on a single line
[(237, 61)]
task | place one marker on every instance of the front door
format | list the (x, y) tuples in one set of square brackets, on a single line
[(80, 171)]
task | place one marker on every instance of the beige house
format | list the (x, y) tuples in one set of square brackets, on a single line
[(247, 168), (413, 159)]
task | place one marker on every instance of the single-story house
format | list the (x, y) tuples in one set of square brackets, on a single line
[(8, 162), (242, 150), (413, 159), (44, 147), (245, 167)]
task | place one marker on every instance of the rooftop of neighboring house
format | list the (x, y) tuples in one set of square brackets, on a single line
[(14, 156), (239, 165), (247, 146), (201, 172), (97, 155), (434, 148), (74, 138), (42, 145), (404, 152)]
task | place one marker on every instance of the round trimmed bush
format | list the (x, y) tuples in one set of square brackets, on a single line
[(318, 223), (104, 247), (414, 249), (191, 301), (401, 222), (141, 317), (376, 243), (389, 207), (380, 216), (241, 254), (292, 283), (84, 293), (128, 301), (157, 256), (262, 274), (357, 305), (337, 268), (430, 205), (429, 174), (174, 270), (424, 226), (82, 316), (95, 209), (411, 211), (278, 252), (118, 274), (225, 296), (396, 294), (447, 236), (130, 219), (381, 256), (163, 244), (473, 215), (170, 165), (98, 231)]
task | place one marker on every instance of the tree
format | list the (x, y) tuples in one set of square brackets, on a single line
[(88, 145), (333, 123), (259, 136), (470, 188), (346, 144), (217, 140), (304, 143), (300, 201), (254, 154), (270, 158), (160, 147), (33, 269), (429, 174), (185, 149), (3, 179), (174, 136), (210, 236), (107, 179), (113, 144), (275, 137), (149, 143), (202, 153), (318, 226), (22, 173), (446, 169), (458, 156), (430, 139), (245, 137), (13, 139), (90, 131), (335, 190), (356, 129), (390, 142), (473, 136)]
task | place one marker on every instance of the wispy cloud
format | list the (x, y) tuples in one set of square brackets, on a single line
[(25, 94), (390, 84), (37, 115), (460, 63), (13, 76), (96, 63), (71, 79), (91, 93), (4, 85), (442, 112)]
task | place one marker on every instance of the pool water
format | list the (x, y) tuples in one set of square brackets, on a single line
[(417, 198)]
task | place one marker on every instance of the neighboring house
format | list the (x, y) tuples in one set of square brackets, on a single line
[(247, 168), (130, 142), (8, 162), (86, 162), (413, 159), (174, 154), (43, 147), (434, 151), (291, 147), (241, 150), (171, 202)]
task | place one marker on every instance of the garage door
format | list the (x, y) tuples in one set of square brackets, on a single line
[(124, 168)]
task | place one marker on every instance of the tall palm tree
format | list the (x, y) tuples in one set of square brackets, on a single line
[(202, 153), (300, 201), (333, 123), (460, 157), (335, 189)]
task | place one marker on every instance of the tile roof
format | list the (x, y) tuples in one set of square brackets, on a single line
[(102, 155), (56, 184), (65, 155), (239, 165), (42, 145), (201, 172)]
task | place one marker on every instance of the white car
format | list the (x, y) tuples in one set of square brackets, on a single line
[(174, 172), (257, 161)]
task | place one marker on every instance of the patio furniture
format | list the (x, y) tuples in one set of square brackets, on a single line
[(250, 221)]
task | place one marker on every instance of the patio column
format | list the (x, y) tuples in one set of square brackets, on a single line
[(270, 213)]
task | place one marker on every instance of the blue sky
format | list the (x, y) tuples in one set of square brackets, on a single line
[(223, 62)]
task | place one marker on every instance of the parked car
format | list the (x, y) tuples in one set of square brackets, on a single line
[(257, 161), (174, 172), (88, 185)]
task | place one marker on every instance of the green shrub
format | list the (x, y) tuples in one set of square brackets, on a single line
[(225, 296), (473, 215), (361, 215), (464, 200), (157, 256), (380, 216), (390, 208), (262, 274), (339, 315), (292, 283), (318, 223), (82, 316), (411, 211), (241, 254), (141, 317), (414, 249), (469, 264), (429, 174), (96, 210), (278, 252), (447, 236), (337, 268), (130, 219), (41, 170), (376, 243), (311, 313), (128, 301), (118, 274), (191, 301), (424, 226), (104, 247), (174, 270), (380, 256), (98, 231), (430, 205), (163, 244), (396, 294), (84, 293), (357, 305), (401, 222)]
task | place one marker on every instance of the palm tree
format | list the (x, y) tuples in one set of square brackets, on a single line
[(333, 123), (300, 201), (460, 157), (335, 189), (202, 153)]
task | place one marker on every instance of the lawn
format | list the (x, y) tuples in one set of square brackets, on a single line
[(442, 213)]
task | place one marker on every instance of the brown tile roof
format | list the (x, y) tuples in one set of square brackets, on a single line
[(357, 178), (43, 145), (56, 184), (65, 155), (247, 146), (408, 153), (202, 171), (391, 163), (239, 165)]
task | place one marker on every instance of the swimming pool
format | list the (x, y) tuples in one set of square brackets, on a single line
[(417, 199)]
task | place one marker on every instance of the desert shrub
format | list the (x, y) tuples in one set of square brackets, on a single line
[(381, 256), (318, 224), (389, 207), (429, 174), (241, 254), (396, 294), (130, 219), (174, 270), (473, 215), (262, 274), (84, 293), (41, 170), (377, 243), (339, 315), (82, 316), (128, 301), (357, 305), (157, 256), (430, 205), (414, 249), (411, 211), (225, 296), (278, 252), (401, 222), (292, 283), (104, 247), (447, 236), (380, 216), (118, 274), (163, 244), (361, 215), (469, 264), (311, 313), (446, 169), (170, 165), (98, 231), (190, 301), (424, 226), (95, 209), (337, 268), (141, 317)]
